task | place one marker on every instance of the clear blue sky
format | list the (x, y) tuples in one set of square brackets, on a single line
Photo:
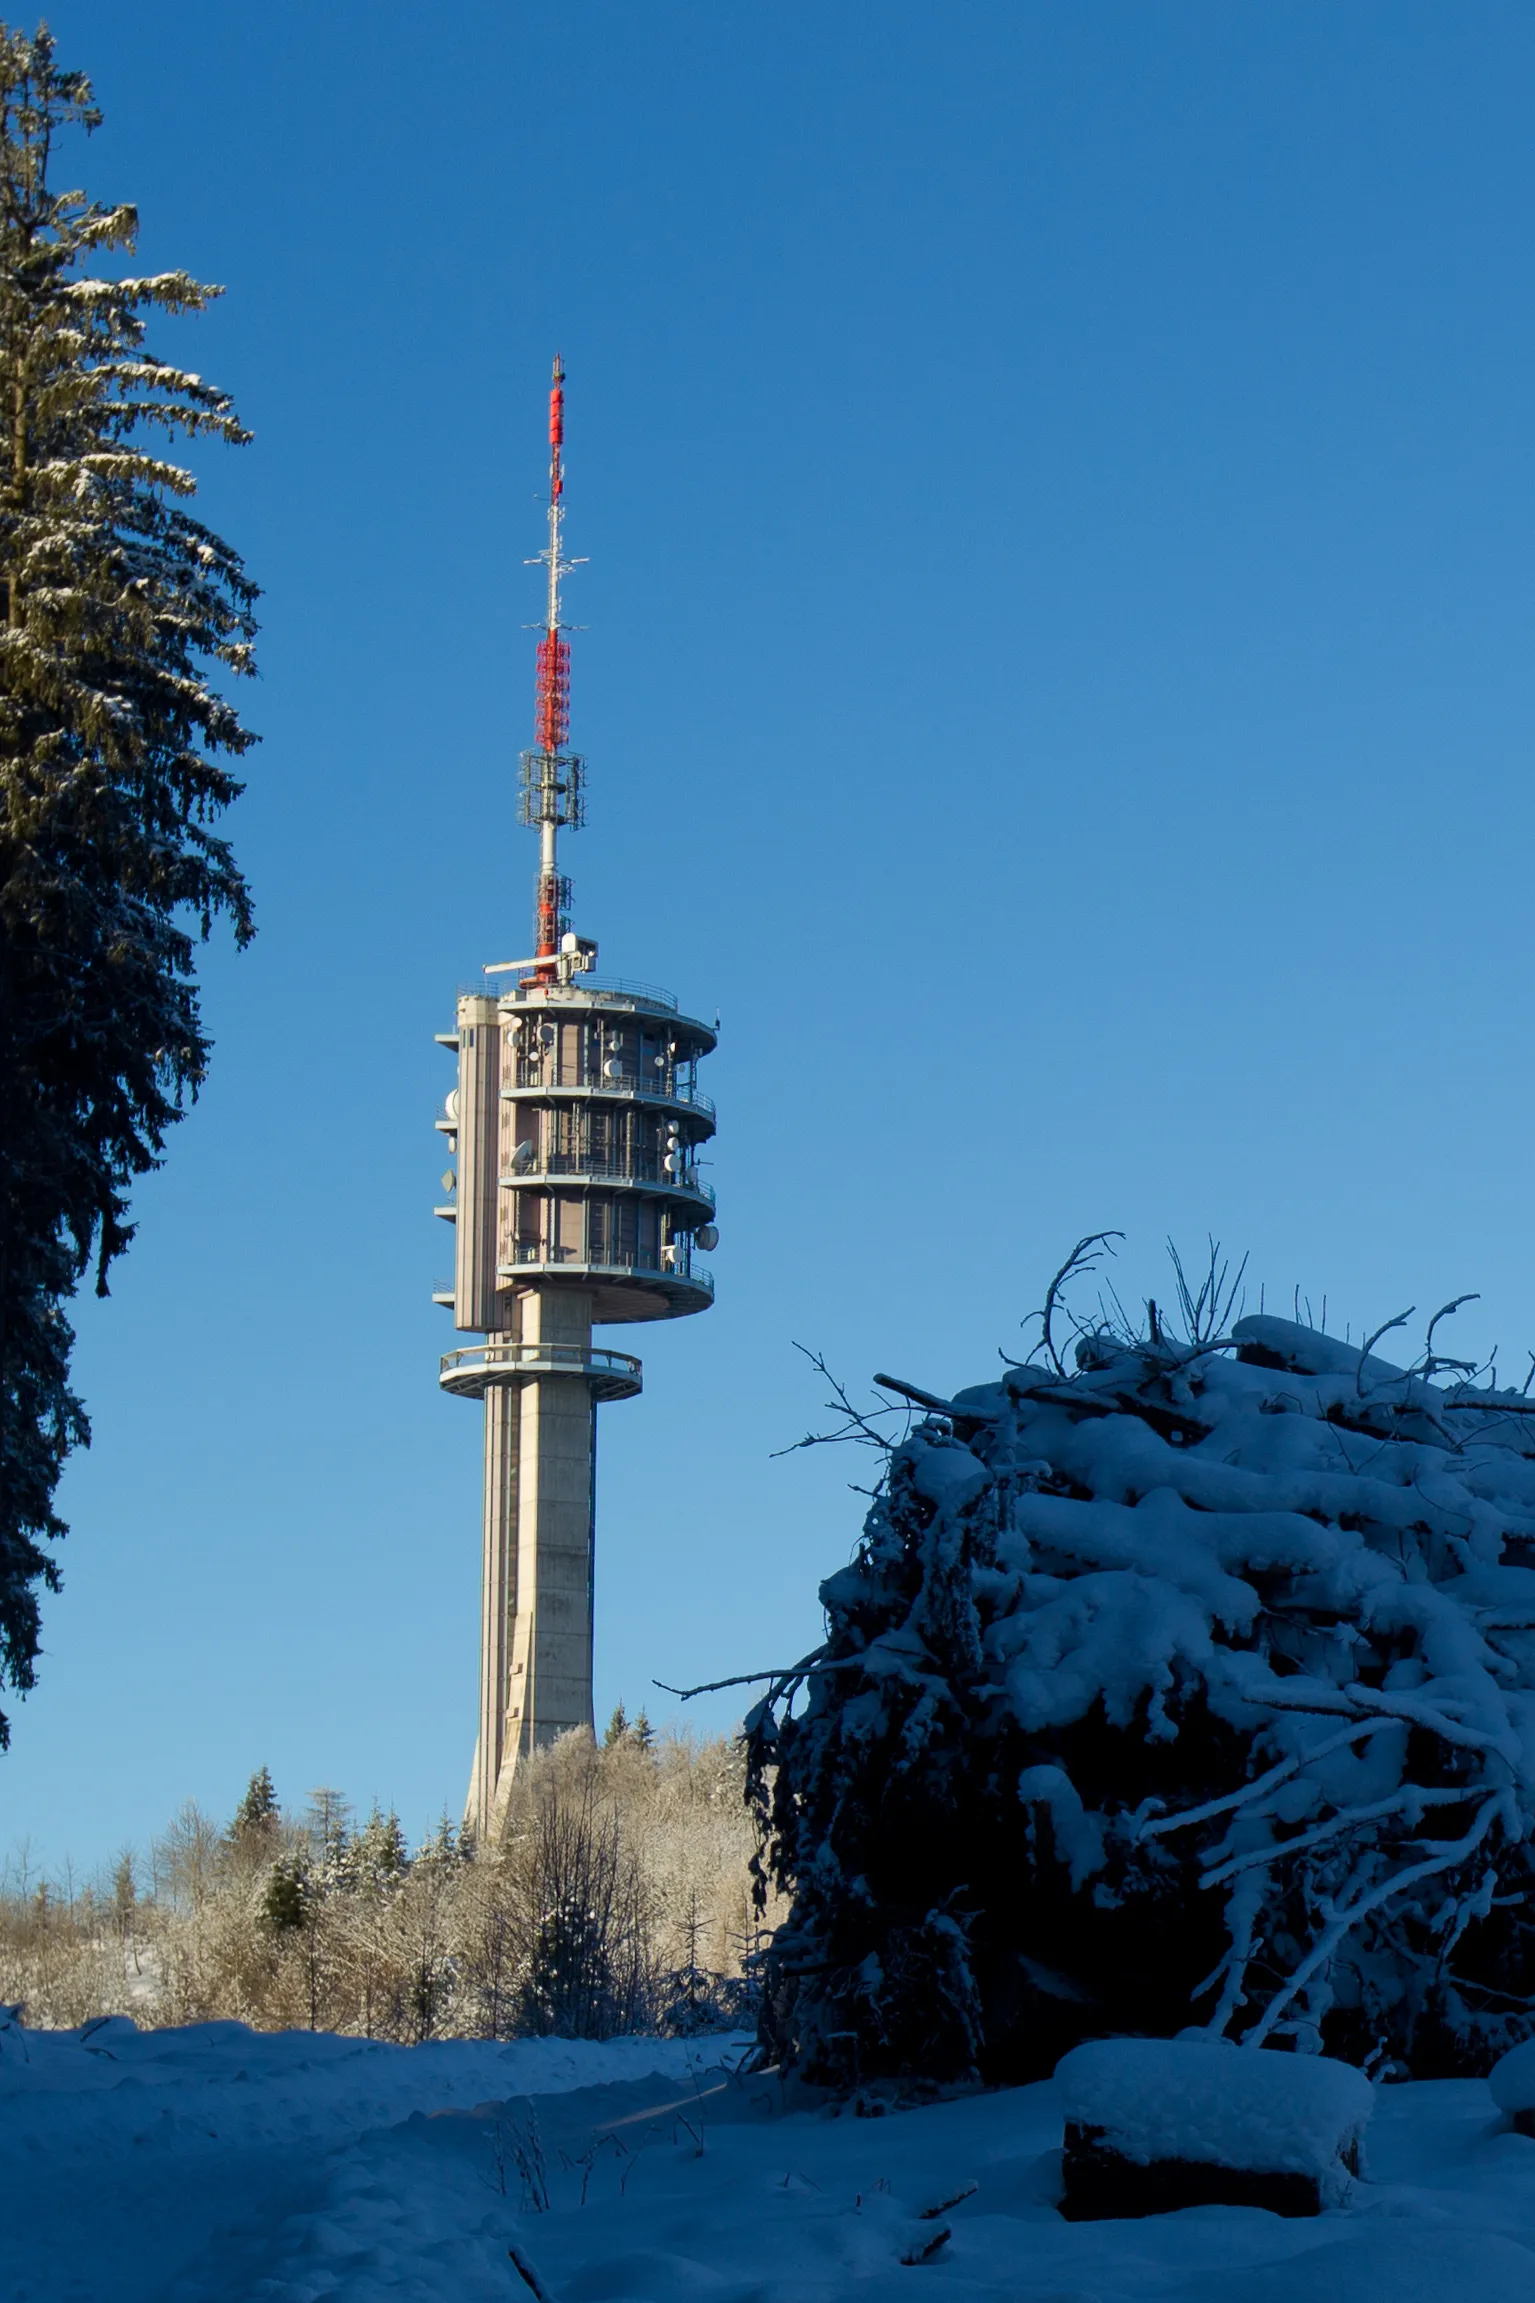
[(1060, 489)]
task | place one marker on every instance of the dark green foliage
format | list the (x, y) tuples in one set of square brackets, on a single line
[(448, 1843), (378, 1857), (114, 603), (887, 1817), (584, 1974), (623, 1733), (256, 1817), (289, 1896), (694, 1998)]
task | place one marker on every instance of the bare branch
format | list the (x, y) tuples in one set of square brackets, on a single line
[(928, 1399), (1083, 1258), (1399, 1706), (1205, 1314), (942, 2206), (1444, 1312), (740, 1679), (1264, 1783), (528, 2275), (859, 1425), (1347, 1819), (1366, 1348), (1442, 1858)]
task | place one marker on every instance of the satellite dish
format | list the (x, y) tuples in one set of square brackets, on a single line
[(660, 1063), (522, 1159), (612, 1069), (708, 1238), (450, 1105), (546, 1034), (671, 1163)]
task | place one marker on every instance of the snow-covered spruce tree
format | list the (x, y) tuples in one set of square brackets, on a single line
[(114, 604), (1191, 1684)]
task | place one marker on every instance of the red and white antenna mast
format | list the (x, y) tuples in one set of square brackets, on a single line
[(552, 775)]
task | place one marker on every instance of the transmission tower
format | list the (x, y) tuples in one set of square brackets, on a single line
[(577, 1124)]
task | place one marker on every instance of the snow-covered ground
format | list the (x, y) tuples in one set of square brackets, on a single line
[(219, 2163)]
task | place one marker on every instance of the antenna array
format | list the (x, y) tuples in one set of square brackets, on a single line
[(553, 777)]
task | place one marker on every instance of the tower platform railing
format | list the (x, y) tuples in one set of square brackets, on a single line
[(571, 1167), (637, 1263), (610, 1374), (589, 987), (585, 1079)]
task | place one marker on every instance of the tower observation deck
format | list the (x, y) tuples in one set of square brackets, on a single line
[(577, 1125)]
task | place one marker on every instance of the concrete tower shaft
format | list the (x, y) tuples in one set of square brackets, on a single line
[(578, 1124)]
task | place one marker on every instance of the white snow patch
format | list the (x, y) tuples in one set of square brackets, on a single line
[(221, 2165), (948, 1475), (1513, 2079), (1206, 2100)]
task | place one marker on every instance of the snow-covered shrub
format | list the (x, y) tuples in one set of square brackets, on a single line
[(622, 1898), (1189, 1686)]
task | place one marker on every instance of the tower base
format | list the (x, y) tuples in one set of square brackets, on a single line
[(540, 1386)]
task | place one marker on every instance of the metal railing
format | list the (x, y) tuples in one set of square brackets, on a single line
[(531, 1077), (630, 988), (556, 1358), (648, 1172), (646, 1262), (611, 987)]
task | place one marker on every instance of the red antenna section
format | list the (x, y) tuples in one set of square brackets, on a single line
[(552, 774), (556, 430), (552, 712)]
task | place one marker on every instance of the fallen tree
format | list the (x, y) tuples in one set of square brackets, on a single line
[(1188, 1683)]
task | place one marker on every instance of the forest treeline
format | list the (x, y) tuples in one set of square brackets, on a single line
[(620, 1902)]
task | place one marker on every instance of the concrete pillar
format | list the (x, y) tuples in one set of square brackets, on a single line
[(498, 1595), (549, 1671)]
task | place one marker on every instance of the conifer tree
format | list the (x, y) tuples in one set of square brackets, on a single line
[(256, 1817), (288, 1897), (378, 1857), (116, 606)]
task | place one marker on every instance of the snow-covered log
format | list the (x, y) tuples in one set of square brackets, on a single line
[(1512, 2080), (1156, 2124), (1192, 1684)]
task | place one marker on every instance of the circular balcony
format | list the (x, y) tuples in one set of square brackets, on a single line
[(469, 1373), (637, 1285)]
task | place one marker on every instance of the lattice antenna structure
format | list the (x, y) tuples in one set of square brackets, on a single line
[(552, 792)]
